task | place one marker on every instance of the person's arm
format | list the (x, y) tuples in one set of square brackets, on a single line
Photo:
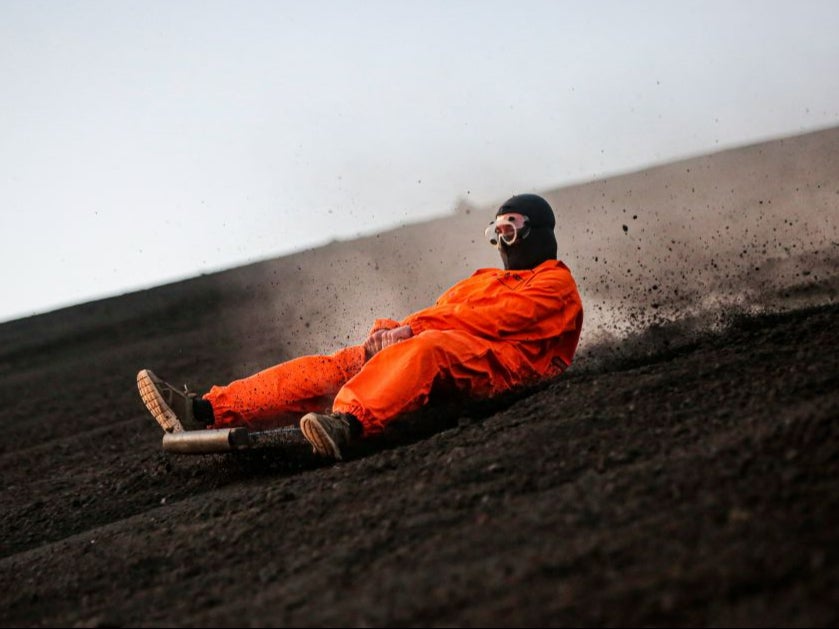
[(546, 307)]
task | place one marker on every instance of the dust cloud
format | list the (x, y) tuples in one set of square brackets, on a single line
[(685, 247)]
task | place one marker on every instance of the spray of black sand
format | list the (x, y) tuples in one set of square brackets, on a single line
[(685, 249)]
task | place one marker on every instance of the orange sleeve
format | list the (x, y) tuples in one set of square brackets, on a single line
[(546, 307)]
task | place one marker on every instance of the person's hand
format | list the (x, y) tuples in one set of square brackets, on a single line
[(380, 339)]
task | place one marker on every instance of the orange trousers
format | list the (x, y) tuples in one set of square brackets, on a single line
[(398, 379)]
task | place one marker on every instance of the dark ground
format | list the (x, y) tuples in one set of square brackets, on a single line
[(687, 475), (695, 486)]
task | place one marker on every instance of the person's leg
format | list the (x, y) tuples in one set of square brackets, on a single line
[(279, 394), (401, 377)]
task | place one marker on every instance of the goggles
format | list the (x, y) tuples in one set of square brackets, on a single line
[(506, 227)]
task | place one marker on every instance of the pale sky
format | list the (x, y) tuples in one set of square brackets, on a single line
[(144, 142)]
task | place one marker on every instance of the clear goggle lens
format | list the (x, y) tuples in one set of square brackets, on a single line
[(506, 228)]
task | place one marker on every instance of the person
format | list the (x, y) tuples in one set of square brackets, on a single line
[(494, 332)]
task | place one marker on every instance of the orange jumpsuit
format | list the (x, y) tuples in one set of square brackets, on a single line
[(490, 333)]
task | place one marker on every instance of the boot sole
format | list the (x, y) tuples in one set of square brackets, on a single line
[(319, 438), (155, 403)]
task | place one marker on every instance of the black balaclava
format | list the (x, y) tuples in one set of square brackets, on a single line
[(539, 244)]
